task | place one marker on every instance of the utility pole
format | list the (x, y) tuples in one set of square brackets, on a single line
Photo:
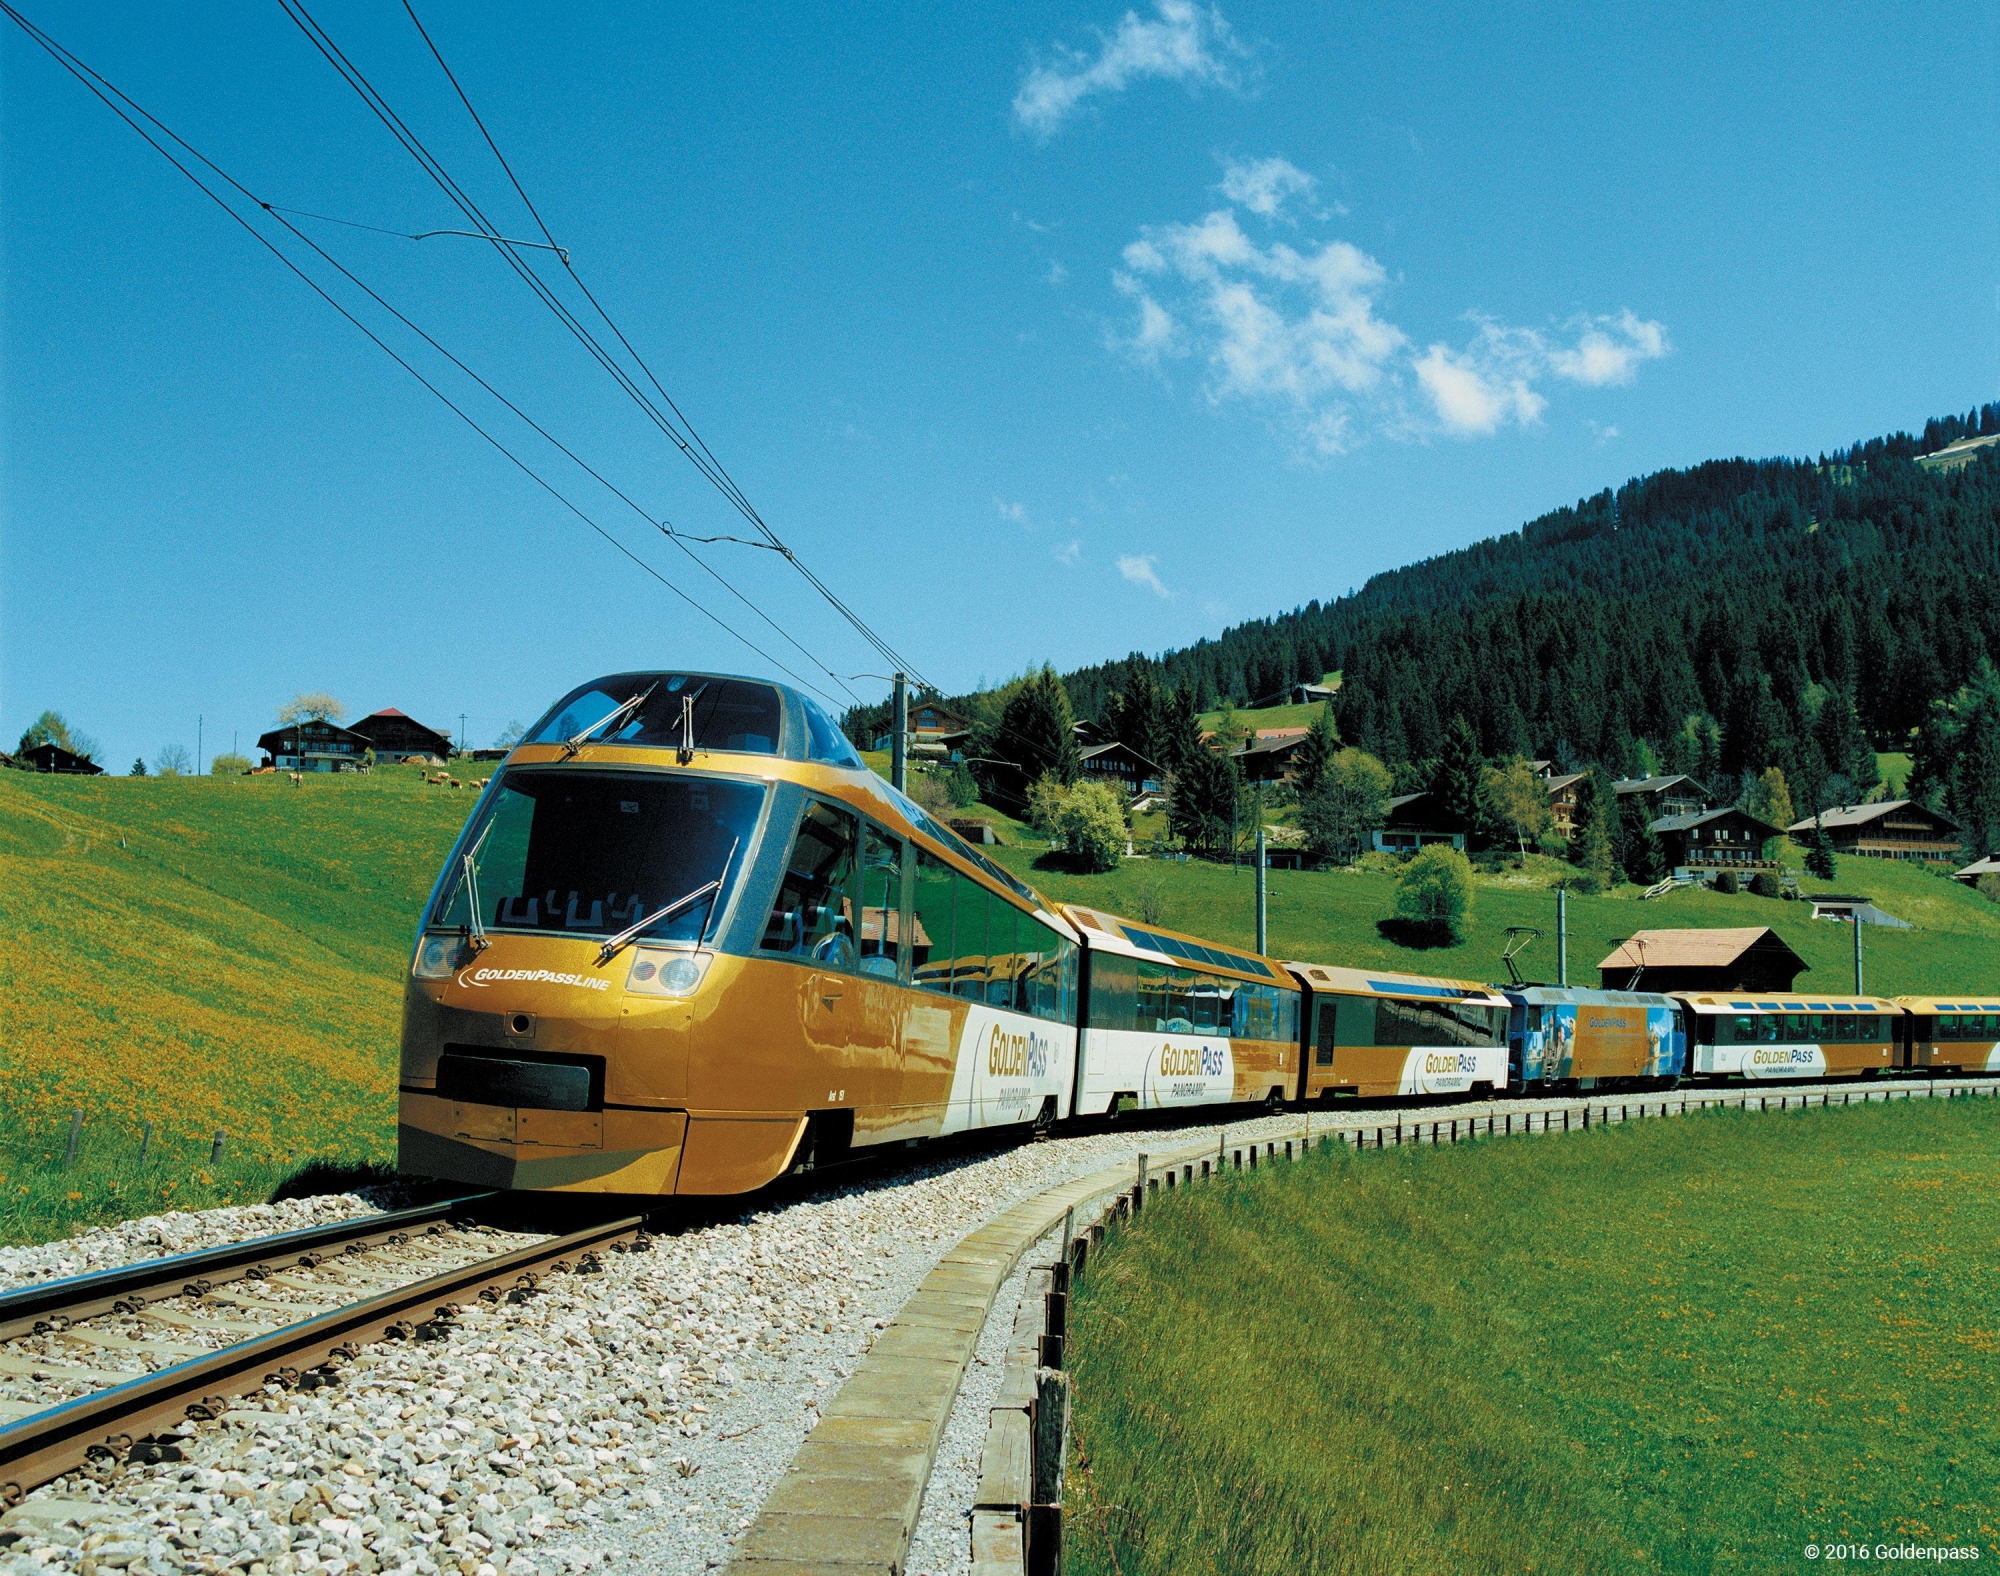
[(1562, 935), (899, 736), (461, 733), (1857, 951), (197, 745), (1260, 888)]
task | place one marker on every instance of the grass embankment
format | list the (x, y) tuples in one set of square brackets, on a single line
[(1330, 916), (201, 953), (1680, 1345)]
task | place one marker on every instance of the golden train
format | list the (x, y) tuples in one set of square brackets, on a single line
[(688, 942)]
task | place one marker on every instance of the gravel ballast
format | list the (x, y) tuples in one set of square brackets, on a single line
[(634, 1417)]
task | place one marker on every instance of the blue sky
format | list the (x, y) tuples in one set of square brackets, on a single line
[(1050, 332)]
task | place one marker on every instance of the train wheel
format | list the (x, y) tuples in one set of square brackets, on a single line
[(1274, 1102)]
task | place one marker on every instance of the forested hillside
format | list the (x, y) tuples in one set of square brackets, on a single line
[(1725, 618)]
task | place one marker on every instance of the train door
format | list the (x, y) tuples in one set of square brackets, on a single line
[(846, 1014)]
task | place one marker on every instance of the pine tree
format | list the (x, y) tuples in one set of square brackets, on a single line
[(1204, 809), (1456, 781), (1819, 854), (1037, 733), (1315, 753)]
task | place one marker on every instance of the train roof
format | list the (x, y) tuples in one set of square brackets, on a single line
[(1381, 982), (1112, 933), (1945, 1004), (1562, 995), (800, 733), (1757, 1001)]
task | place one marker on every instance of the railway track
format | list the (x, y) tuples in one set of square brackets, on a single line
[(289, 1310)]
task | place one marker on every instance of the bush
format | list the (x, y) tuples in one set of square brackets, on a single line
[(1764, 884), (1090, 823), (959, 784), (230, 764), (1046, 796), (1988, 887), (1434, 891), (932, 793), (1727, 884)]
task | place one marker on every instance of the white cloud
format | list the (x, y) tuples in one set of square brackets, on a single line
[(1264, 185), (1138, 568), (1301, 329), (1609, 349), (1471, 398), (1016, 512), (1057, 274), (1069, 552), (1181, 42)]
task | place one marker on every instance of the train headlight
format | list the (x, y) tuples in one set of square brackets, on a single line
[(436, 957), (658, 972)]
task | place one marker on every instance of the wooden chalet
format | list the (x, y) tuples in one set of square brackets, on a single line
[(1662, 796), (1564, 790), (314, 746), (1416, 820), (1120, 764), (936, 732), (1272, 756), (1893, 829), (392, 734), (1750, 958), (54, 758), (1700, 846)]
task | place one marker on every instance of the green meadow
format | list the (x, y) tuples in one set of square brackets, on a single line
[(204, 954), (1686, 1346)]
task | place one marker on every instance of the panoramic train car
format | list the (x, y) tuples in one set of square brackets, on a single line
[(688, 941), (1744, 1036), (1170, 1020), (1593, 1039), (1950, 1034), (1368, 1033)]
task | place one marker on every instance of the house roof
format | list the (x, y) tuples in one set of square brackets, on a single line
[(1557, 784), (1694, 818), (1097, 750), (293, 732), (1861, 814), (1989, 866), (1692, 949), (1656, 784), (1277, 744)]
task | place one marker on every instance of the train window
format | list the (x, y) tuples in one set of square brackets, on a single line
[(1328, 1016), (1041, 968), (1798, 1028), (1003, 960), (881, 903), (707, 713), (931, 924), (1209, 1009), (813, 913), (1286, 1028), (1114, 991), (593, 853), (825, 741), (1849, 1028)]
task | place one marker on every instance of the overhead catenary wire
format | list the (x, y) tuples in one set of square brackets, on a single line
[(678, 430), (127, 108)]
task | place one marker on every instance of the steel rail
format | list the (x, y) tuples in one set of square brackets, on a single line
[(113, 1425), (49, 1305)]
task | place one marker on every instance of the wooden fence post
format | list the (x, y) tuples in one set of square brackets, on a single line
[(75, 1132)]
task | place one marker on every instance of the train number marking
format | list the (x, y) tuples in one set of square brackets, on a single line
[(835, 1096)]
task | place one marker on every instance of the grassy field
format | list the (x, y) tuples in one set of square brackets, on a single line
[(1331, 916), (1689, 1345), (1270, 716), (201, 953)]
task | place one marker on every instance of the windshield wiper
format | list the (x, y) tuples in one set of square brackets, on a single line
[(576, 741), (611, 946), (476, 936)]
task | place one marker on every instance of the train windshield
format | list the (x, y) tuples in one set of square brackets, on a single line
[(676, 709), (581, 853)]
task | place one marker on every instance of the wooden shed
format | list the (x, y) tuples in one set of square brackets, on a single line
[(1752, 957)]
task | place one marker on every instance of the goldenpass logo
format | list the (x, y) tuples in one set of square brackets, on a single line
[(1784, 1056), (1449, 1062), (1190, 1061), (479, 979), (1014, 1055)]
